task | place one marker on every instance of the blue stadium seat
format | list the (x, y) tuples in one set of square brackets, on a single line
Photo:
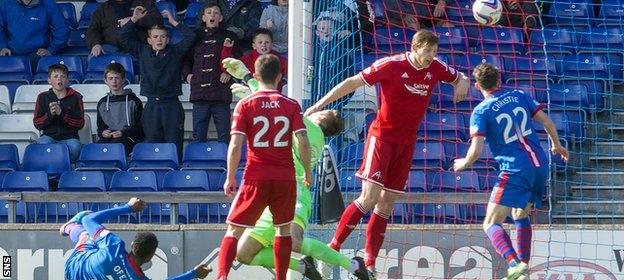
[(97, 64), (9, 159), (207, 155), (69, 13), (462, 12), (50, 158), (73, 63), (86, 13), (15, 69), (557, 160), (192, 14), (602, 40), (25, 181), (160, 213), (593, 90), (264, 3), (391, 40), (61, 212), (449, 181), (107, 158), (501, 40), (352, 155), (553, 41), (444, 126), (21, 212), (416, 182), (611, 13), (429, 155), (154, 156), (442, 98), (134, 181), (459, 150), (216, 179), (400, 214), (82, 181), (77, 43), (218, 212), (475, 213), (348, 181), (185, 180), (452, 39), (566, 96), (587, 66), (437, 214), (569, 13), (487, 178), (535, 67), (466, 63), (368, 120), (561, 123)]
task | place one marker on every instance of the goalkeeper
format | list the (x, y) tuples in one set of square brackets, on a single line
[(255, 246)]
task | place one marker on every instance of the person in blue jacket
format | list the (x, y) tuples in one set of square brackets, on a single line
[(32, 27), (101, 254)]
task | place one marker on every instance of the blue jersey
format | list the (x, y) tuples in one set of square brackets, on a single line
[(505, 120), (103, 255)]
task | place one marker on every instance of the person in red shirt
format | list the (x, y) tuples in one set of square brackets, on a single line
[(263, 44), (406, 81), (267, 120)]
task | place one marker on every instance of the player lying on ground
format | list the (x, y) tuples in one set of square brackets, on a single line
[(505, 120), (256, 245), (406, 82), (101, 254)]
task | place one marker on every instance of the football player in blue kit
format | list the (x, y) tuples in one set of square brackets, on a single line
[(100, 254), (504, 120)]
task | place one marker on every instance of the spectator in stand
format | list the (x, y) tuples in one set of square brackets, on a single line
[(59, 112), (414, 14), (160, 65), (263, 44), (275, 18), (110, 16), (241, 17), (520, 13), (119, 112), (32, 27), (210, 84)]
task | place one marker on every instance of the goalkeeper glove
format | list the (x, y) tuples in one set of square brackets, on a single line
[(236, 68), (241, 90)]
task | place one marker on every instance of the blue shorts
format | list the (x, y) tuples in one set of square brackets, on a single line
[(516, 189)]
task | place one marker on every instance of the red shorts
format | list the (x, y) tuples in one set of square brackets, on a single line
[(386, 164), (255, 195)]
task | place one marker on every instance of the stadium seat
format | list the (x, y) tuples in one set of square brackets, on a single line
[(185, 180), (449, 181), (348, 181), (5, 100), (69, 13), (466, 63), (444, 126), (437, 214), (158, 156), (561, 123), (210, 155), (391, 40), (97, 64), (160, 213), (556, 159), (569, 13), (566, 96), (368, 120), (25, 181), (475, 213), (553, 41), (352, 155), (21, 212), (416, 182), (26, 98), (451, 39), (216, 178), (61, 212), (18, 130), (534, 67), (459, 150), (9, 159), (218, 212), (429, 155), (191, 15), (134, 181), (462, 12), (501, 40), (611, 13), (82, 181), (15, 69), (586, 66), (102, 157), (73, 63), (86, 13), (50, 158), (442, 98), (77, 43), (400, 214), (594, 90), (487, 179)]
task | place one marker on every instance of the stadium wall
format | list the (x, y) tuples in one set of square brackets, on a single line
[(433, 251)]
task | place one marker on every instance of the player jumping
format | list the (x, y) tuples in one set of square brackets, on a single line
[(267, 120), (505, 120), (100, 254), (255, 247), (406, 82)]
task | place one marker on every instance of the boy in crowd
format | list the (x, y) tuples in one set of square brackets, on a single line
[(59, 112), (119, 112), (263, 44)]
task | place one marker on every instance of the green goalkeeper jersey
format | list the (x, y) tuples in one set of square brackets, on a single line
[(317, 142)]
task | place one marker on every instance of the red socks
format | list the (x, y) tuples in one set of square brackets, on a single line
[(281, 251), (375, 233), (349, 220), (227, 253)]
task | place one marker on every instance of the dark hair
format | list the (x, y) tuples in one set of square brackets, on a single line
[(156, 27), (57, 68), (262, 31), (424, 38), (116, 68), (146, 243), (268, 68), (486, 75), (208, 5), (332, 124)]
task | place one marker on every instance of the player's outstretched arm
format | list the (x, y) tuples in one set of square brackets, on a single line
[(460, 87), (233, 159), (476, 147), (343, 88), (551, 130), (93, 223), (305, 154), (200, 271)]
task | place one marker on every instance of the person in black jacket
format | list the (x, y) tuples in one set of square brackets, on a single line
[(161, 77), (119, 112), (210, 84), (59, 112), (241, 17)]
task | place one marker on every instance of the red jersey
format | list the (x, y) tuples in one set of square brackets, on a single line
[(268, 119), (404, 95)]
